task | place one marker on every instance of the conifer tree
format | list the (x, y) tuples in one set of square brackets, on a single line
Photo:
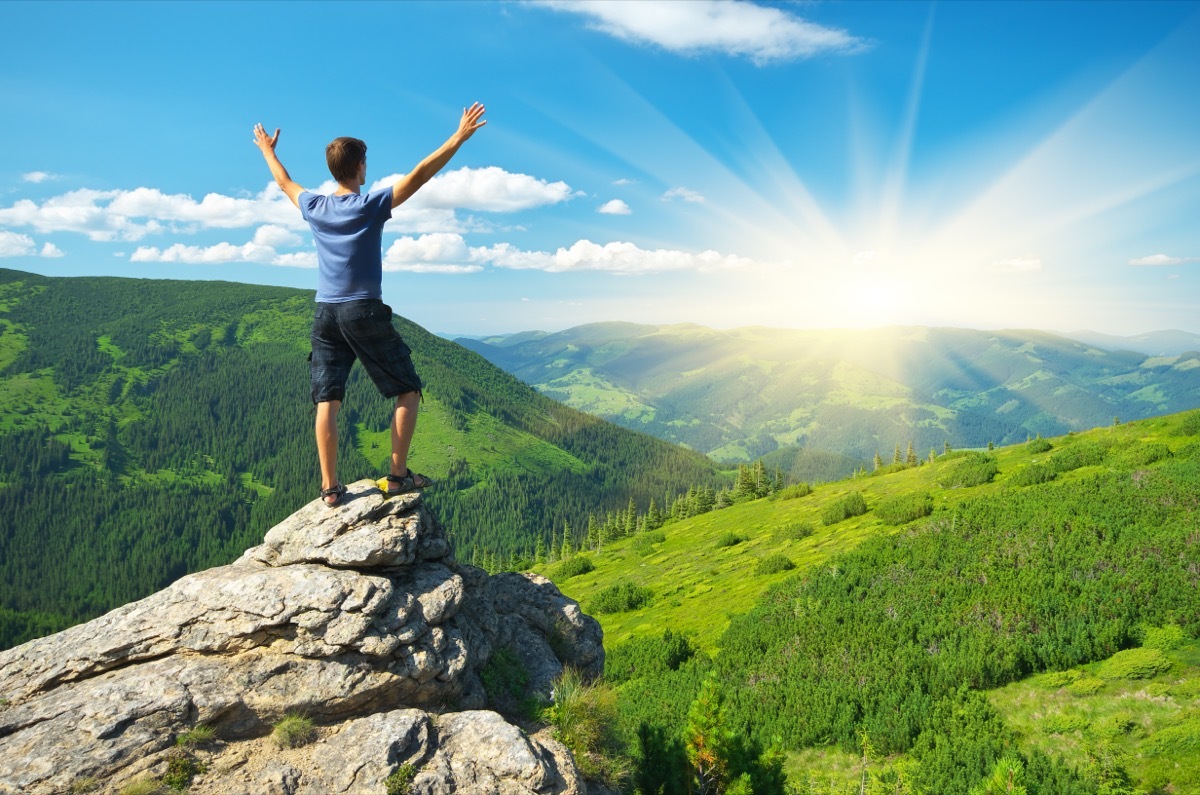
[(878, 460), (630, 518), (567, 549), (932, 455), (896, 455), (654, 519), (593, 534), (762, 485), (910, 457), (539, 550), (946, 448)]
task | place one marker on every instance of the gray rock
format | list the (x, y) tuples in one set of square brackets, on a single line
[(357, 617)]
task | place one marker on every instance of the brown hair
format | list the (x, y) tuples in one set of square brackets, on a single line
[(344, 156)]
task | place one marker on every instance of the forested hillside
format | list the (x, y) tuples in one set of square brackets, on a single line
[(152, 428), (739, 394), (863, 627)]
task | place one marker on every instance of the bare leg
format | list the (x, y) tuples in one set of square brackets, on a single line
[(327, 439), (404, 423)]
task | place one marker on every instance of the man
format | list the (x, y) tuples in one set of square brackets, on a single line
[(352, 322)]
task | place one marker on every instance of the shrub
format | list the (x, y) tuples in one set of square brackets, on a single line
[(773, 564), (400, 780), (1038, 445), (643, 543), (1190, 425), (974, 469), (198, 735), (571, 567), (1165, 638), (642, 657), (182, 767), (1064, 724), (1182, 739), (504, 675), (143, 786), (889, 469), (1113, 726), (1032, 475), (1059, 678), (1134, 664), (792, 492), (1188, 688), (1085, 686), (294, 730), (584, 718), (792, 531), (853, 504), (1142, 454), (620, 598), (904, 508), (1082, 454), (729, 539), (82, 785)]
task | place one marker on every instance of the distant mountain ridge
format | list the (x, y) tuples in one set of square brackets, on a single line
[(1171, 342), (742, 393)]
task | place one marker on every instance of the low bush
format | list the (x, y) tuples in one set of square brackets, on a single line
[(1064, 724), (792, 531), (572, 567), (792, 492), (642, 657), (729, 540), (504, 675), (620, 598), (853, 504), (182, 767), (889, 469), (1141, 454), (1113, 727), (1085, 686), (1190, 425), (1082, 454), (1032, 475), (1134, 664), (294, 730), (904, 508), (1165, 638), (584, 718), (773, 564), (644, 543), (399, 782), (1059, 678), (974, 469), (1182, 739), (143, 786), (196, 736), (1038, 445)]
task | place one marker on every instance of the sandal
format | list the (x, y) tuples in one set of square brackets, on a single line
[(406, 483), (337, 492)]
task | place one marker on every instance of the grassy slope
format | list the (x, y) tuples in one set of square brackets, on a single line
[(698, 584)]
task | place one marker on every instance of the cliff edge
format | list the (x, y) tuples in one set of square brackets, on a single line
[(356, 618)]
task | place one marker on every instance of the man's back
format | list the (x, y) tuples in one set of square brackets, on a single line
[(348, 231)]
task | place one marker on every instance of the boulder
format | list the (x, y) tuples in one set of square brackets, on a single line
[(356, 617)]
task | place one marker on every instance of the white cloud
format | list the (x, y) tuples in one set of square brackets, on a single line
[(623, 181), (223, 253), (615, 207), (1162, 259), (449, 253), (276, 236), (51, 251), (38, 176), (489, 189), (616, 257), (133, 214), (683, 194), (759, 33), (15, 245), (1025, 264)]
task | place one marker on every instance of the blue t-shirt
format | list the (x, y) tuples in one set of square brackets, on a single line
[(348, 231)]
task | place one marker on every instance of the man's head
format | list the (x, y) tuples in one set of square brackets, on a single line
[(346, 158)]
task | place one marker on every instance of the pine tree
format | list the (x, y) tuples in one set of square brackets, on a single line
[(630, 518), (878, 460), (932, 455), (910, 457), (654, 519), (896, 456), (593, 534), (946, 448), (539, 550), (762, 485), (567, 549)]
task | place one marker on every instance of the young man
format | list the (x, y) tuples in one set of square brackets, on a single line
[(352, 322)]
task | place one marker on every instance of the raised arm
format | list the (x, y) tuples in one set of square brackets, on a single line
[(411, 182), (266, 143)]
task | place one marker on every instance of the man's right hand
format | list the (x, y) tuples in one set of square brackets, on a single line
[(468, 124), (263, 141)]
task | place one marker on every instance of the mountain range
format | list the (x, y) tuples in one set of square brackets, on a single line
[(739, 394)]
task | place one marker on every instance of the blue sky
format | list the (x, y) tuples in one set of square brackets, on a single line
[(1032, 165)]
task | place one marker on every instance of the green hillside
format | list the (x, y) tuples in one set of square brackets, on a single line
[(152, 428), (740, 394), (926, 624)]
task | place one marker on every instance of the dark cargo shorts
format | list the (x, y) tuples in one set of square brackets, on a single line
[(360, 330)]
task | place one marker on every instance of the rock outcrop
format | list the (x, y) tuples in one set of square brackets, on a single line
[(356, 617)]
